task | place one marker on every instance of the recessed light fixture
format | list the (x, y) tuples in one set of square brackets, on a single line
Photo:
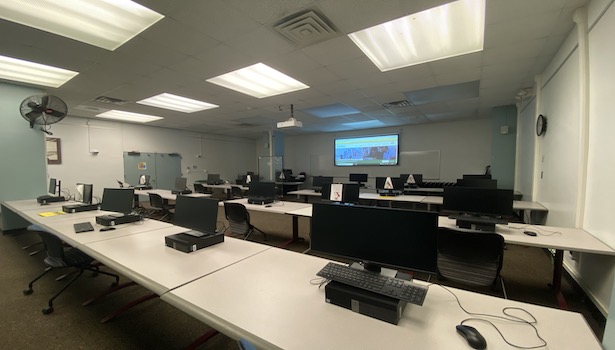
[(177, 103), (128, 116), (449, 30), (106, 24), (34, 73), (258, 80)]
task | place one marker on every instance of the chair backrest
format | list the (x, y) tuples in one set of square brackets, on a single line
[(236, 192), (156, 201), (470, 257), (238, 218), (199, 188), (54, 248)]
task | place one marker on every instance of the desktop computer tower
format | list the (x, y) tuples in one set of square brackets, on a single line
[(365, 302), (187, 243), (112, 220)]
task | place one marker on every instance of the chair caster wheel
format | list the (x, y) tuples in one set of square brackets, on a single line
[(48, 310), (27, 291)]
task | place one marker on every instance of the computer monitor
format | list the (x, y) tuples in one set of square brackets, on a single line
[(144, 180), (479, 208), (262, 189), (359, 178), (416, 179), (213, 178), (389, 183), (319, 181), (477, 183), (342, 193), (118, 199), (181, 183), (84, 193), (477, 176), (196, 213), (52, 186), (389, 237)]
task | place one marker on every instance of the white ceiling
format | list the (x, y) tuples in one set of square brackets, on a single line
[(200, 39)]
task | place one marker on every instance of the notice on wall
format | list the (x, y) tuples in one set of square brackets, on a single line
[(142, 165)]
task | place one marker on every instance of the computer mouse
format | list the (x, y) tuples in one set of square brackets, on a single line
[(109, 228), (530, 233), (472, 336)]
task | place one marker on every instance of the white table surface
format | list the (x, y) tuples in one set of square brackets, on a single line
[(273, 305), (400, 198), (167, 194), (279, 207), (32, 204), (306, 212), (145, 259)]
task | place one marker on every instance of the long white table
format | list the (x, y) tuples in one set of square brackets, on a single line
[(269, 300), (169, 195)]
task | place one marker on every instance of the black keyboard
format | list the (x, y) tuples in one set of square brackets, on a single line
[(375, 282), (83, 227)]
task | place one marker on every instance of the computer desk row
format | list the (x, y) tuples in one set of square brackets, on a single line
[(264, 294), (558, 238)]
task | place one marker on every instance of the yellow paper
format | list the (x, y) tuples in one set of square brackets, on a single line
[(51, 213)]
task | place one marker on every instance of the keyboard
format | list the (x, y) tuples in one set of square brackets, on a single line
[(374, 282), (83, 227)]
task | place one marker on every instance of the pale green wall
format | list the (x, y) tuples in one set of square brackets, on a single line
[(22, 150), (503, 145)]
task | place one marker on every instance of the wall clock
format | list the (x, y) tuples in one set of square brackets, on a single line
[(541, 125)]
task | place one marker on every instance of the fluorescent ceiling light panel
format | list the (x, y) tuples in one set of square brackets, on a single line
[(258, 80), (128, 116), (365, 124), (454, 29), (34, 73), (103, 23), (332, 110), (177, 103)]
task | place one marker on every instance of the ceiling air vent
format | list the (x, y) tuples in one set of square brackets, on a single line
[(397, 104), (306, 28), (111, 100)]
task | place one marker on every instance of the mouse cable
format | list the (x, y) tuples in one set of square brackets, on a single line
[(510, 317), (319, 281), (537, 228)]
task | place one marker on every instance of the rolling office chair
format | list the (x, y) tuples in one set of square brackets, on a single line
[(470, 257), (158, 204), (59, 256), (239, 220)]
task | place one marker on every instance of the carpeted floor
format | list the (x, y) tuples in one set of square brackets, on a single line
[(157, 325)]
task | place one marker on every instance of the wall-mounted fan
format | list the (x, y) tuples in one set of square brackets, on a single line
[(43, 110)]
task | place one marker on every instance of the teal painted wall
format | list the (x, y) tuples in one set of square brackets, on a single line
[(503, 145), (22, 150)]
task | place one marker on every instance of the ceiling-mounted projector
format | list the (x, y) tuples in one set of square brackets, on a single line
[(291, 122)]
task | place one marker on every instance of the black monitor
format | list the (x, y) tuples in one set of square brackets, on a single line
[(477, 176), (342, 193), (250, 178), (262, 189), (213, 178), (196, 213), (118, 199), (52, 186), (180, 183), (144, 180), (415, 180), (84, 193), (396, 238), (477, 183), (319, 181), (395, 183), (473, 206), (360, 178)]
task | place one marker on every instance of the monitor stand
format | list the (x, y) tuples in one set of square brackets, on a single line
[(383, 271)]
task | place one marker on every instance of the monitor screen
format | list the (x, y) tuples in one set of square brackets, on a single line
[(357, 177), (478, 201), (181, 183), (343, 193), (144, 179), (319, 181), (196, 213), (397, 238), (367, 150), (262, 189), (52, 186), (389, 183), (84, 193), (477, 183), (213, 177), (118, 200)]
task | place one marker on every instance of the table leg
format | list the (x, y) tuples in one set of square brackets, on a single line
[(295, 233), (556, 283)]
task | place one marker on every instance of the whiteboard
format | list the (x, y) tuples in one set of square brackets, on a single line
[(422, 162)]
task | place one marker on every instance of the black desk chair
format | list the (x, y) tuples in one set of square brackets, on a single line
[(239, 220), (59, 256), (159, 204), (236, 192), (470, 257)]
